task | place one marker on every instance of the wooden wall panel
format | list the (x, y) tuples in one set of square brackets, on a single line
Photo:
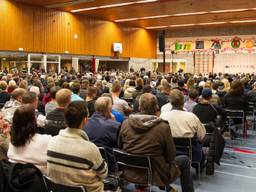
[(37, 29)]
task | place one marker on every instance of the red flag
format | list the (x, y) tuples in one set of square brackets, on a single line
[(94, 64)]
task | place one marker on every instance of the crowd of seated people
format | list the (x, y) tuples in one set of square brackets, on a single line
[(57, 122)]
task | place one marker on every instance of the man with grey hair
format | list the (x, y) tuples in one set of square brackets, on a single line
[(102, 129), (147, 134)]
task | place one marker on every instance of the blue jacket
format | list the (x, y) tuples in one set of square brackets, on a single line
[(102, 132)]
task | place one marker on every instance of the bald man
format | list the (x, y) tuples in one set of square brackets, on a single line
[(102, 129)]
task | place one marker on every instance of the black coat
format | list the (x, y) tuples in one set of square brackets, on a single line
[(17, 177)]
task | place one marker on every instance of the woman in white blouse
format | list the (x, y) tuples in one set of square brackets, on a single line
[(26, 145)]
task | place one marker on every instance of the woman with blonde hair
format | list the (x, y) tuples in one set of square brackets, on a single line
[(23, 84)]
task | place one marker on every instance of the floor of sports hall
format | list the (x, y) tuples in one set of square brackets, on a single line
[(237, 172)]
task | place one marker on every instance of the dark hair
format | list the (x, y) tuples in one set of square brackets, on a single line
[(193, 94), (75, 112), (237, 88), (91, 91), (75, 87), (29, 98), (53, 91), (23, 126)]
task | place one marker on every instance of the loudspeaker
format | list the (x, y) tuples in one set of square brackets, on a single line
[(161, 41)]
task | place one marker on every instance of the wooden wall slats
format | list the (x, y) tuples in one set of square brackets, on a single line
[(37, 29)]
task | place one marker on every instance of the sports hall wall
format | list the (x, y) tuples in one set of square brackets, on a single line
[(227, 59), (37, 29)]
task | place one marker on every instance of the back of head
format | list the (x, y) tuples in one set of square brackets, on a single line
[(63, 97), (23, 84), (148, 104), (116, 87), (103, 105), (18, 93), (75, 113), (92, 91), (24, 125), (177, 98), (29, 98), (207, 93), (193, 94), (236, 88), (3, 85), (53, 91), (75, 87), (139, 82), (166, 87)]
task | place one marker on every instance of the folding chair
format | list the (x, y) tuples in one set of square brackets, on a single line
[(250, 113), (54, 187), (185, 144), (236, 115), (138, 162)]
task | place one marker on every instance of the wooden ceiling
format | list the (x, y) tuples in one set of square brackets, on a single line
[(191, 13)]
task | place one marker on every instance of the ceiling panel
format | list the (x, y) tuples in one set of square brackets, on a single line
[(159, 8)]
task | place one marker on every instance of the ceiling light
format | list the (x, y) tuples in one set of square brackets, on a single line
[(113, 5), (184, 14), (244, 21), (183, 25), (229, 10), (213, 23), (187, 14), (157, 27)]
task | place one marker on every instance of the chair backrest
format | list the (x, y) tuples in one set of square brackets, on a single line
[(234, 114), (54, 187), (125, 160), (184, 144)]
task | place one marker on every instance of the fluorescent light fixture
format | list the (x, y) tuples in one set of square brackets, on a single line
[(213, 23), (113, 5), (229, 10), (183, 25), (243, 21), (157, 27), (187, 14), (184, 14)]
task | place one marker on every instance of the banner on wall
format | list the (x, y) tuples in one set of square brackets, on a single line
[(233, 45)]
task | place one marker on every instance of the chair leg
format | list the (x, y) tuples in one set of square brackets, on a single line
[(199, 173)]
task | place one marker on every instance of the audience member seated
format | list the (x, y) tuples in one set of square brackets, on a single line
[(4, 95), (119, 104), (164, 97), (185, 124), (252, 94), (26, 145), (84, 89), (147, 134), (191, 102), (55, 120), (50, 106), (15, 102), (75, 87), (213, 117), (129, 89), (71, 158), (235, 98), (4, 138), (207, 112), (181, 87), (32, 99), (90, 100), (102, 128), (119, 117)]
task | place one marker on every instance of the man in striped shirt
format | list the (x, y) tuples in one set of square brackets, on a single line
[(71, 158)]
